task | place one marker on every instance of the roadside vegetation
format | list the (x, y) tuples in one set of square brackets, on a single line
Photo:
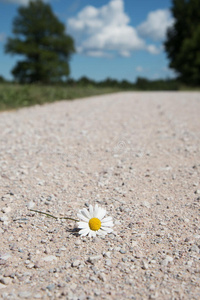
[(14, 95)]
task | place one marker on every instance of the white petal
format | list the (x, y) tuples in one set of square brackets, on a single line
[(101, 232), (82, 217), (83, 225), (84, 231), (107, 224), (96, 209), (106, 219), (86, 213), (101, 213), (91, 211), (107, 229), (92, 233)]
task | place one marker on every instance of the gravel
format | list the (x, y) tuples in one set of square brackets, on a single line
[(135, 154)]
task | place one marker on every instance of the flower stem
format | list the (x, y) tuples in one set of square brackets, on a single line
[(49, 215)]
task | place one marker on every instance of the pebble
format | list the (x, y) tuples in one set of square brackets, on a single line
[(107, 254), (77, 243), (189, 263), (102, 277), (4, 219), (194, 248), (93, 278), (97, 292), (166, 260), (2, 286), (108, 262), (197, 192), (6, 210), (124, 259), (51, 286), (30, 205), (145, 265), (146, 204), (37, 296), (76, 263), (5, 256), (6, 280), (25, 294), (93, 259), (122, 251), (49, 258)]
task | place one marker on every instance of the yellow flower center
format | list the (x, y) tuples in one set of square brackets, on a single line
[(94, 224)]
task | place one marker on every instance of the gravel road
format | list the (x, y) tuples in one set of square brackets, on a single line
[(135, 154)]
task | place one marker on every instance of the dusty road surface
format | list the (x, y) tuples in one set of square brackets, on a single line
[(135, 154)]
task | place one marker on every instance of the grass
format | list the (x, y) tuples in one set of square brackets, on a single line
[(13, 96)]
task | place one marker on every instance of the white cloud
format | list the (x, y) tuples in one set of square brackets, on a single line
[(156, 25), (153, 49), (102, 31), (97, 53), (139, 69)]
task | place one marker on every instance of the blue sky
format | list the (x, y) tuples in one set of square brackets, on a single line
[(120, 39)]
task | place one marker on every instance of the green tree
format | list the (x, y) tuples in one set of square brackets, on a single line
[(40, 37), (2, 79), (183, 40)]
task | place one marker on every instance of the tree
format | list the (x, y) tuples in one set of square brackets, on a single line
[(41, 38), (2, 80), (183, 40)]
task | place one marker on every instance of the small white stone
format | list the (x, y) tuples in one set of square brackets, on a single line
[(73, 286), (2, 286), (144, 265), (107, 254), (102, 277), (30, 266), (25, 294), (5, 280), (6, 210), (49, 258), (37, 296), (189, 263), (117, 222), (78, 242), (152, 287), (146, 204), (167, 260), (134, 243), (108, 262), (197, 236), (5, 256), (76, 263), (4, 219), (197, 192), (92, 259), (30, 205)]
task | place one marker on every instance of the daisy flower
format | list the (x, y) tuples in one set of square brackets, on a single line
[(93, 222)]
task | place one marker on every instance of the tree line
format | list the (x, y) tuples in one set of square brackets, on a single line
[(141, 83), (41, 39)]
